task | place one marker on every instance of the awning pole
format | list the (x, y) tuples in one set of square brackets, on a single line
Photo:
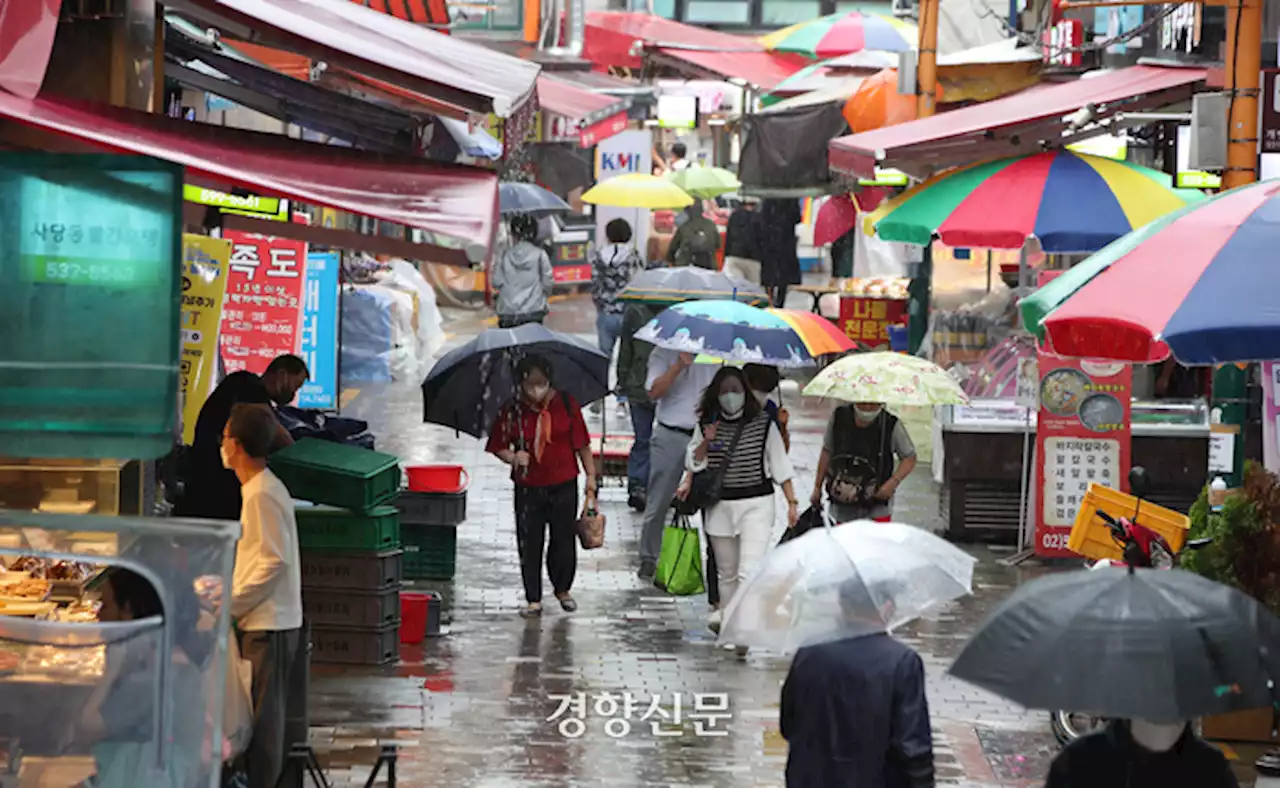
[(928, 66)]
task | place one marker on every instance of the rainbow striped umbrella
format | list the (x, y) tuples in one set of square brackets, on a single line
[(1200, 283), (1071, 202), (734, 332), (843, 34), (820, 336)]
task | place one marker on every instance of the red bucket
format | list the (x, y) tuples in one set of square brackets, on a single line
[(413, 617), (438, 478)]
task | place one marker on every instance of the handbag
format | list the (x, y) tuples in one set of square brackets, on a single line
[(591, 529), (810, 519), (679, 570), (704, 489)]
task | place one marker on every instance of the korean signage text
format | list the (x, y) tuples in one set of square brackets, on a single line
[(260, 319), (319, 342), (867, 320), (1063, 42), (204, 282)]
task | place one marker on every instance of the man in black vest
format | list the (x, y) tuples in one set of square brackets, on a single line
[(866, 453)]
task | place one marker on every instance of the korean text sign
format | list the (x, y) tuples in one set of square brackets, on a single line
[(867, 320), (319, 346), (1082, 436), (262, 313), (204, 283)]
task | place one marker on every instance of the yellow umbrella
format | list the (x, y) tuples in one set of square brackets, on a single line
[(638, 190)]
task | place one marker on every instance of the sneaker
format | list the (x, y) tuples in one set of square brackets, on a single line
[(647, 570)]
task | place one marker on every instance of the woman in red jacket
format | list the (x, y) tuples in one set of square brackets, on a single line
[(541, 434)]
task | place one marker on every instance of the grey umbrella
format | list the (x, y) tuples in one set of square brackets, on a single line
[(1160, 645), (529, 198), (690, 283)]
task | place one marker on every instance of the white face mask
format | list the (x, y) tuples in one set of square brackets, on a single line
[(866, 416), (732, 403), (537, 393), (1156, 737), (226, 456)]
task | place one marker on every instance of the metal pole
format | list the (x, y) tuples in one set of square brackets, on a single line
[(928, 48), (1024, 539)]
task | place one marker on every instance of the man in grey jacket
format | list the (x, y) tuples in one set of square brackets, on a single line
[(522, 276)]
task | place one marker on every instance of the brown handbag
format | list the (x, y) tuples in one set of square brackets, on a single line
[(591, 529)]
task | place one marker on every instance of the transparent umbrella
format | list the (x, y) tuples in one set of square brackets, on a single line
[(848, 581)]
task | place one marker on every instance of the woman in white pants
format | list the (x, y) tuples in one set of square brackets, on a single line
[(737, 440)]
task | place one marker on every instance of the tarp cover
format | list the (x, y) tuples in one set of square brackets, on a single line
[(611, 35), (27, 29), (788, 150)]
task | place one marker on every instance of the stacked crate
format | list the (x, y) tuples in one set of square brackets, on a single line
[(351, 549), (429, 530)]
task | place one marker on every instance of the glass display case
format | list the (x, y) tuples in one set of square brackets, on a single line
[(106, 487), (1192, 414)]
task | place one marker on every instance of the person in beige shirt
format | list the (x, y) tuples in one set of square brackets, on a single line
[(266, 592)]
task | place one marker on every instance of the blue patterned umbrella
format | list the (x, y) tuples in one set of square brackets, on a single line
[(729, 331)]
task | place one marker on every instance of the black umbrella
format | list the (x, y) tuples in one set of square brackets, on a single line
[(1159, 645), (530, 198), (466, 389)]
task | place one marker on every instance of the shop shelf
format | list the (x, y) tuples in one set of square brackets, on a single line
[(346, 608), (422, 508), (356, 571), (339, 646), (337, 475), (330, 528), (1091, 537), (430, 551)]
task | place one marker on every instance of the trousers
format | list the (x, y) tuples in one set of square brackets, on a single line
[(666, 467), (539, 510), (744, 267), (740, 533), (638, 460), (272, 656), (608, 327)]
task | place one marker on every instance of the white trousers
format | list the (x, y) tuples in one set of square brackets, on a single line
[(744, 267), (740, 532)]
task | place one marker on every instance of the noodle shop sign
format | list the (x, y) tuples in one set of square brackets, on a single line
[(867, 320)]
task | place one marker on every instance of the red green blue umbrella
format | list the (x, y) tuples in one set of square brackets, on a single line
[(1200, 283), (843, 34), (1071, 202)]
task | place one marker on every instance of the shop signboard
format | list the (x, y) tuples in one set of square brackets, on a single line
[(1082, 436), (272, 209), (204, 284), (622, 154), (262, 313), (570, 263), (1270, 111), (1186, 177), (1185, 31), (318, 344), (496, 127), (1063, 43), (867, 320)]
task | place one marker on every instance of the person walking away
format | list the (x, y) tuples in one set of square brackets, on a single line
[(522, 277), (675, 385), (765, 381), (780, 263), (679, 157), (742, 242), (736, 438), (633, 373), (857, 462), (541, 434), (1141, 754), (611, 270), (210, 490), (854, 711), (266, 593), (696, 240)]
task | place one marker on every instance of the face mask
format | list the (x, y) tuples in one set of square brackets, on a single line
[(866, 416), (537, 393), (226, 456), (732, 403), (1155, 737)]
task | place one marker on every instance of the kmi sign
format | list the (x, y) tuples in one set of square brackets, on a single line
[(620, 163)]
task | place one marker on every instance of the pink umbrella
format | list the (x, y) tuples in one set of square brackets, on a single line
[(837, 216)]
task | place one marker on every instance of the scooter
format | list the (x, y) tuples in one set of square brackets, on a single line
[(1143, 548)]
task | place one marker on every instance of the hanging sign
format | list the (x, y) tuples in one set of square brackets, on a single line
[(319, 342), (1063, 42), (263, 307), (204, 283), (269, 208), (1082, 436)]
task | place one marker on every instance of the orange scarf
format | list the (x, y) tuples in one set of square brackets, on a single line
[(542, 432)]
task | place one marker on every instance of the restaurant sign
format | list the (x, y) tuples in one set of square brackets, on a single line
[(1063, 43), (269, 208)]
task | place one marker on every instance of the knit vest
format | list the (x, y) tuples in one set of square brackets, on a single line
[(872, 443), (745, 475)]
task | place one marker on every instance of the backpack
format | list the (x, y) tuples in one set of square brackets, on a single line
[(699, 246)]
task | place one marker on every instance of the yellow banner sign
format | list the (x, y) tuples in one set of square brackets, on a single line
[(204, 283)]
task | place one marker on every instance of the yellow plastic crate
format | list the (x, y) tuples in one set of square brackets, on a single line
[(1091, 537)]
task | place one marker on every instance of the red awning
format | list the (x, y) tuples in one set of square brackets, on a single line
[(592, 117), (611, 35), (448, 199), (27, 30), (1010, 125), (379, 45), (762, 70)]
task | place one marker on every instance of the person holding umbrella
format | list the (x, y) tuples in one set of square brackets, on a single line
[(542, 435), (522, 277), (1141, 754)]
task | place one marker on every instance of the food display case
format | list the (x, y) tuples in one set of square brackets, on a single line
[(979, 453), (106, 487)]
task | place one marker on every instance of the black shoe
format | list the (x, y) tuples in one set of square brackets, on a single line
[(531, 610), (636, 501), (567, 603), (647, 570)]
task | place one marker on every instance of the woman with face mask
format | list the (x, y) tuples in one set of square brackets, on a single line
[(857, 464), (1141, 754), (738, 440), (541, 434)]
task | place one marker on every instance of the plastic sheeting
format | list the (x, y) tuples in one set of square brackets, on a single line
[(367, 335), (27, 29), (788, 150), (392, 330)]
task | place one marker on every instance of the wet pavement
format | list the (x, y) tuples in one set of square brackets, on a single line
[(481, 705)]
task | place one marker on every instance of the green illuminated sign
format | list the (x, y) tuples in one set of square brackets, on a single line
[(270, 208), (1197, 179), (885, 177), (56, 270)]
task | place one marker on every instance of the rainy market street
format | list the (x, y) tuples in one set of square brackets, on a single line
[(472, 707)]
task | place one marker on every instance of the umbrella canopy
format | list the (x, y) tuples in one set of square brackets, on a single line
[(1160, 645), (1199, 283), (691, 283), (821, 337), (837, 216), (848, 581), (891, 378), (842, 34), (705, 182), (1071, 202), (729, 331), (528, 198), (466, 389), (638, 190), (877, 103)]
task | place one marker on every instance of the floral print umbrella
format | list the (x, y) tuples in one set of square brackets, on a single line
[(889, 378)]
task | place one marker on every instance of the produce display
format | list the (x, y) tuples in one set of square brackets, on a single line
[(879, 287)]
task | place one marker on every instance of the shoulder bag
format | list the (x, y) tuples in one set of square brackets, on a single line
[(704, 492)]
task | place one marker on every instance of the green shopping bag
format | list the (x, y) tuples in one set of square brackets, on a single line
[(680, 564)]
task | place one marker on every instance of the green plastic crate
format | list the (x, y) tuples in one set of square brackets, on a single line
[(430, 551), (328, 528), (337, 475)]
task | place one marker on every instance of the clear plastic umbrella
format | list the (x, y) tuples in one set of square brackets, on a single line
[(848, 581)]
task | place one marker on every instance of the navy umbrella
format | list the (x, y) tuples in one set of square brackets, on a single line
[(529, 198), (467, 388)]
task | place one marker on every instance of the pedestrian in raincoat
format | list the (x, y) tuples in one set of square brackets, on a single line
[(522, 276), (1140, 754)]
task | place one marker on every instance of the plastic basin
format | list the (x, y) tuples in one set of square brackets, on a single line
[(413, 617), (437, 478)]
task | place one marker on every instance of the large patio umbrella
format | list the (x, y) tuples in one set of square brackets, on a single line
[(1071, 202), (842, 34), (1199, 283)]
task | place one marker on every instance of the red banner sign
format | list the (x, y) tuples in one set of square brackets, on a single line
[(263, 307), (867, 320), (1063, 43), (1082, 437)]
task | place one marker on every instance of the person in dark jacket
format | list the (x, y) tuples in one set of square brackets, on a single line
[(780, 263), (1138, 754), (854, 711), (696, 241), (857, 464), (633, 372), (742, 243)]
